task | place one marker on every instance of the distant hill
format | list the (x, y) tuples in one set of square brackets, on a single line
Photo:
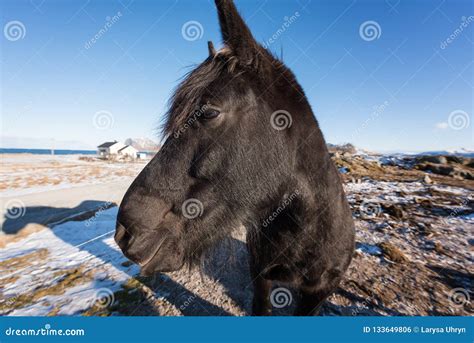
[(351, 149), (142, 144), (348, 147)]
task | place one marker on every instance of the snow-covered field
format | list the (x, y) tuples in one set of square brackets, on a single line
[(63, 270), (53, 268)]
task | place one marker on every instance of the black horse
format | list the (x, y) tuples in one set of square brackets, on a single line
[(242, 147)]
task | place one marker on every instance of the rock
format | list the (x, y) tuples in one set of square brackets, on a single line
[(427, 179), (461, 174), (456, 159), (423, 228), (436, 168), (395, 211), (433, 159), (392, 253), (458, 171)]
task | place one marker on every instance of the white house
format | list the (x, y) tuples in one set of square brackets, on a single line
[(128, 150), (116, 149)]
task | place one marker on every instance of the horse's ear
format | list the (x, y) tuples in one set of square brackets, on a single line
[(235, 33), (211, 49)]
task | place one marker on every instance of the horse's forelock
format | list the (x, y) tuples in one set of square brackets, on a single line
[(188, 95)]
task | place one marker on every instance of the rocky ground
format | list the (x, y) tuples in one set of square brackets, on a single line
[(414, 222)]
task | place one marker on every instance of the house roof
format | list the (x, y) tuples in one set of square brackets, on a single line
[(127, 146), (107, 144)]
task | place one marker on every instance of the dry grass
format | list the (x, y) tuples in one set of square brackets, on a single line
[(20, 172), (23, 233)]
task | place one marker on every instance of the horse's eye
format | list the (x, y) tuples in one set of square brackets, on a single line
[(211, 114)]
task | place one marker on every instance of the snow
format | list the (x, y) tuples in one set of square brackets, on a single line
[(369, 249), (69, 245)]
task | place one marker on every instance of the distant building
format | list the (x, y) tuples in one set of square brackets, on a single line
[(116, 150), (128, 150)]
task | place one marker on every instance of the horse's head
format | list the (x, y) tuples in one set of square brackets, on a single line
[(233, 131)]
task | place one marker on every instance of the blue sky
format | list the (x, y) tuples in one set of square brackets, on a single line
[(406, 88)]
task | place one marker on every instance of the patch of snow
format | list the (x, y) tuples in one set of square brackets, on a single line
[(70, 245), (368, 249)]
